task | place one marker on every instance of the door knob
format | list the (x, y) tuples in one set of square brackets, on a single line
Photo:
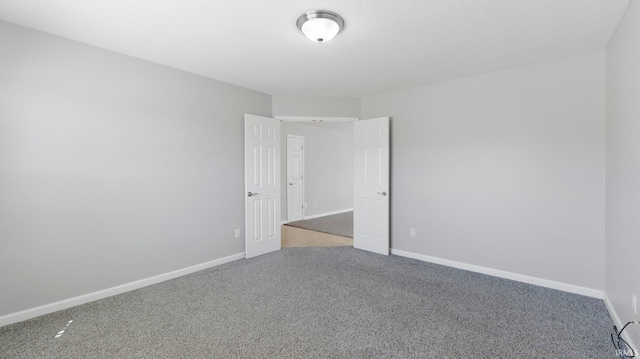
[(252, 194), (383, 193)]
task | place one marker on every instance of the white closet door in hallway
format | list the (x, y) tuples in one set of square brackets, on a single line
[(295, 178)]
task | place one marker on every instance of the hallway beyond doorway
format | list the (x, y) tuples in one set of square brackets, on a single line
[(298, 237)]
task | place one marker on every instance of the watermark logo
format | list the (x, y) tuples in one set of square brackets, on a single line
[(626, 353), (622, 349)]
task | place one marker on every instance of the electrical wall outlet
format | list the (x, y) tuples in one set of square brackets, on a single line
[(634, 303), (315, 204), (237, 233), (412, 232)]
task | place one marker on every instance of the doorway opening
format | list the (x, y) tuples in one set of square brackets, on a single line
[(365, 176), (319, 181)]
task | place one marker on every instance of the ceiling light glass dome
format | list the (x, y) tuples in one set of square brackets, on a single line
[(320, 25)]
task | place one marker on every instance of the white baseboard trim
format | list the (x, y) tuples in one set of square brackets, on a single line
[(616, 319), (285, 221), (589, 292), (90, 297), (328, 213)]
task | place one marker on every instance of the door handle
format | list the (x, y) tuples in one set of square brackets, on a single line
[(383, 193), (290, 184), (252, 194)]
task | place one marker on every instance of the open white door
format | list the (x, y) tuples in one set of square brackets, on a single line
[(295, 178), (262, 185), (371, 187)]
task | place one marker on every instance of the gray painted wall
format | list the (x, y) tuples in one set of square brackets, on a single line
[(504, 170), (328, 165), (316, 106), (112, 169), (623, 168)]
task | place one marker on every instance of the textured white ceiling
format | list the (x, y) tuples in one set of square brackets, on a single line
[(386, 44)]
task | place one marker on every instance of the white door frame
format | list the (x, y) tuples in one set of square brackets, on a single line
[(298, 182)]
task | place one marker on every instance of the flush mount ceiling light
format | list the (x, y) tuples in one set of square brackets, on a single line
[(320, 25)]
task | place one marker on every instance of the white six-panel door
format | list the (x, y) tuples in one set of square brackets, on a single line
[(262, 185), (295, 178), (371, 185)]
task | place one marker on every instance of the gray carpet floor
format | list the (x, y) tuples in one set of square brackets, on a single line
[(339, 224), (335, 302)]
